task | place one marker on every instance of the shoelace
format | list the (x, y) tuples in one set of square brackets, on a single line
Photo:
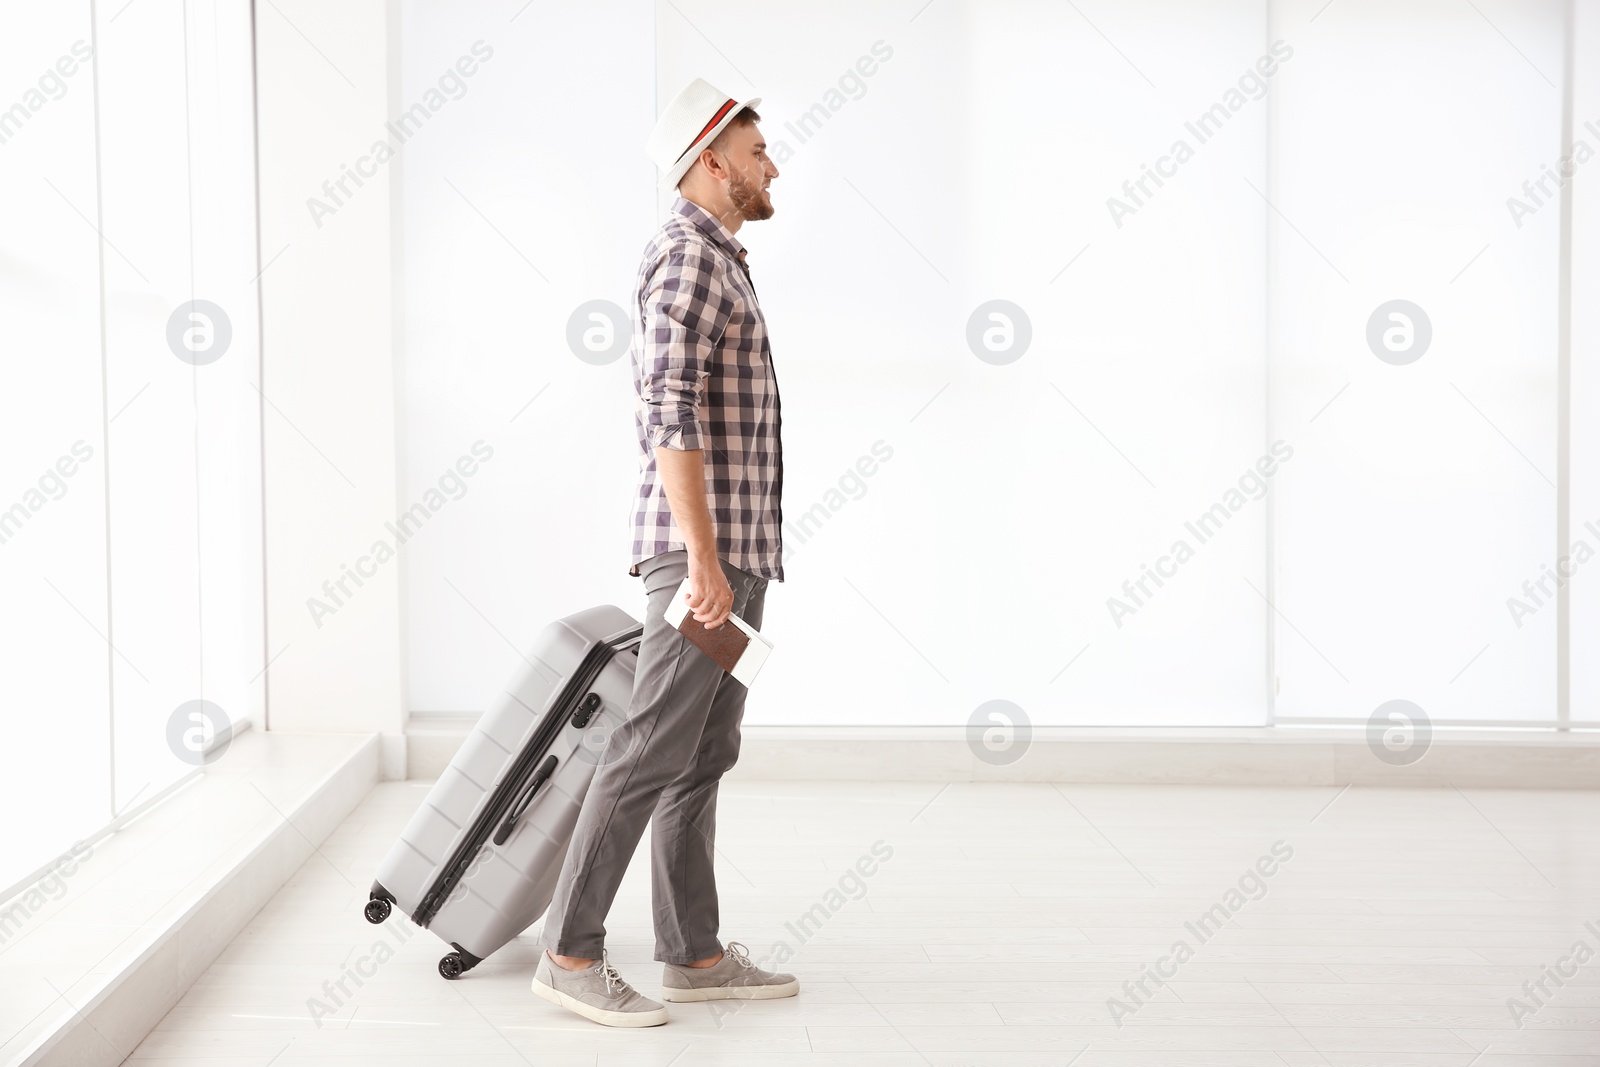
[(610, 973), (740, 954)]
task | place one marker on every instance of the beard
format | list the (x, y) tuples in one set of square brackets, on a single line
[(748, 199)]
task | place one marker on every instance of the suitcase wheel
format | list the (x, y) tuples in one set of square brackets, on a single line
[(376, 911), (458, 962)]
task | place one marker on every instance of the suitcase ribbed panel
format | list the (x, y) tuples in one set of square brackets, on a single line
[(505, 889)]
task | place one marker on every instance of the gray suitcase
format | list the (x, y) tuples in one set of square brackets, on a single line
[(478, 862)]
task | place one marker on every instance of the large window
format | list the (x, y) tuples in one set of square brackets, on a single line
[(130, 561)]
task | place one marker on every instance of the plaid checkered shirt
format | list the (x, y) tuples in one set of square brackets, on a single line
[(703, 378)]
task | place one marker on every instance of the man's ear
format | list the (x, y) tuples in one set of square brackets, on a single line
[(713, 165)]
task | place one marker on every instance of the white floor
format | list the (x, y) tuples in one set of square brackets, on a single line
[(1005, 920)]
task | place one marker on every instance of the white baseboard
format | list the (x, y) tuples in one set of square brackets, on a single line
[(1270, 756)]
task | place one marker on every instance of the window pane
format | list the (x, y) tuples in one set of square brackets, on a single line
[(1422, 491), (54, 764)]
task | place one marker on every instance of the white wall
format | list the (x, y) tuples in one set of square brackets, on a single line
[(525, 198), (330, 378), (1422, 496), (1585, 401), (869, 336), (1185, 337), (993, 538)]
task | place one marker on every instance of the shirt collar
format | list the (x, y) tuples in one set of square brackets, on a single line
[(708, 225)]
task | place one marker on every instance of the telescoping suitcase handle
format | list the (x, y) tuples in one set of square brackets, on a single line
[(540, 776)]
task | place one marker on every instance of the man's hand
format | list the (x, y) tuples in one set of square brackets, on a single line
[(710, 595)]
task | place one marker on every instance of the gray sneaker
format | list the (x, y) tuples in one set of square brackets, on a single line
[(733, 977), (599, 993)]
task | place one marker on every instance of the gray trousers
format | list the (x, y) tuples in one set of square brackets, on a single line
[(660, 765)]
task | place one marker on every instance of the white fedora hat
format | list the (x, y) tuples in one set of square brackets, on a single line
[(695, 116)]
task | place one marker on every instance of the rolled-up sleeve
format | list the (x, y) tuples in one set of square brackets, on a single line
[(686, 310)]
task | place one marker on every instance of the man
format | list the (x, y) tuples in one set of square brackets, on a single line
[(709, 508)]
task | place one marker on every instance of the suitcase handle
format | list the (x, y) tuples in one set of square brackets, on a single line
[(546, 769)]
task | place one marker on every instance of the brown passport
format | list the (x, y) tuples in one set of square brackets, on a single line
[(735, 646), (724, 645)]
